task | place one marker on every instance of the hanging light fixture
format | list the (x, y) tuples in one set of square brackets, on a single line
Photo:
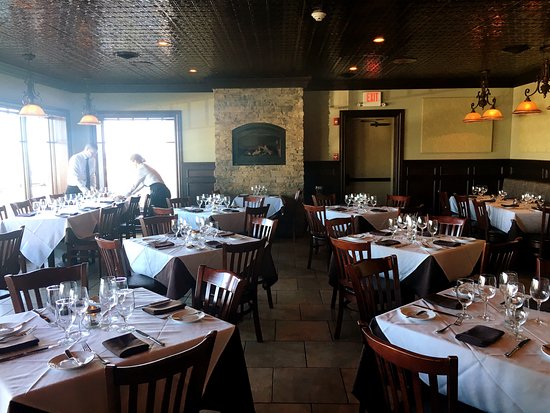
[(30, 107), (528, 107), (88, 117), (483, 99)]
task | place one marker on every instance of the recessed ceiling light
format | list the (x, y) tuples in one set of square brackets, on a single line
[(193, 70), (353, 68), (164, 42), (379, 39)]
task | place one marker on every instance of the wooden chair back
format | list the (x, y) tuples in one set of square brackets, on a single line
[(543, 267), (113, 257), (162, 211), (544, 242), (37, 199), (25, 288), (348, 252), (244, 259), (180, 202), (156, 225), (398, 201), (109, 219), (253, 201), (497, 258), (11, 261), (463, 205), (147, 206), (316, 218), (452, 226), (56, 196), (20, 208), (251, 213), (172, 383), (482, 217), (263, 228), (444, 205), (376, 285), (324, 200), (399, 370), (3, 213), (218, 293), (127, 222), (339, 227)]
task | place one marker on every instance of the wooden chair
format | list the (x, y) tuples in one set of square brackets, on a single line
[(253, 201), (324, 200), (175, 381), (485, 230), (113, 257), (399, 370), (497, 258), (444, 205), (245, 260), (398, 201), (264, 228), (218, 293), (463, 205), (56, 196), (339, 227), (253, 212), (543, 267), (147, 206), (162, 211), (347, 253), (37, 199), (11, 260), (21, 208), (376, 286), (316, 217), (25, 288), (180, 202), (448, 225), (3, 213), (128, 218), (156, 225), (539, 243)]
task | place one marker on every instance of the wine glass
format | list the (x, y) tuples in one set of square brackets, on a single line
[(66, 288), (392, 226), (422, 223), (513, 303), (107, 299), (487, 288), (125, 304), (503, 280), (540, 292), (80, 300), (465, 294), (65, 318), (433, 227), (52, 295)]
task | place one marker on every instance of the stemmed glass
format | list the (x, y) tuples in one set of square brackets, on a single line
[(36, 206), (80, 300), (514, 302), (540, 292), (107, 299), (52, 295), (433, 227), (125, 304), (66, 288), (65, 318), (487, 288), (422, 223), (503, 280), (465, 294)]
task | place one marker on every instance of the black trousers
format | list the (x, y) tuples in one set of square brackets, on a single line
[(72, 189), (159, 193)]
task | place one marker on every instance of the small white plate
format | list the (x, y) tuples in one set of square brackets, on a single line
[(9, 328), (545, 350), (188, 316), (62, 362), (411, 313)]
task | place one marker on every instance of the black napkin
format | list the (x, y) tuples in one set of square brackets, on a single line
[(388, 242), (445, 243), (214, 244), (230, 210), (167, 307), (191, 209), (126, 345), (509, 205), (383, 233), (442, 301), (27, 214), (481, 336), (162, 244), (377, 210), (18, 344)]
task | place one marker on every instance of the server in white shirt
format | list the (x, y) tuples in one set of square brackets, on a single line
[(147, 176), (81, 172)]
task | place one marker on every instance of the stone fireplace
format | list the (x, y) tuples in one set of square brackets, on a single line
[(275, 110)]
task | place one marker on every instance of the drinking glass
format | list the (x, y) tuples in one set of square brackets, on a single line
[(487, 288), (36, 206), (52, 295), (513, 303), (65, 318), (540, 292), (433, 227), (125, 304), (80, 299), (107, 299), (475, 190), (392, 226), (66, 288), (121, 282), (465, 294), (503, 280), (422, 223)]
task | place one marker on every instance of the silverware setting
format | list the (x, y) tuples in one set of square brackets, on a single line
[(86, 347), (70, 356), (416, 314), (457, 322), (16, 335), (517, 347), (150, 337)]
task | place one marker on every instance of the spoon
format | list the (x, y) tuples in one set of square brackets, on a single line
[(417, 314), (72, 357)]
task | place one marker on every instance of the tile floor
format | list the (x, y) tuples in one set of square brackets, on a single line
[(298, 368)]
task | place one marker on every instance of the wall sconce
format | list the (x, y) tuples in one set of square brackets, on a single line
[(88, 117), (483, 99), (31, 96), (528, 107)]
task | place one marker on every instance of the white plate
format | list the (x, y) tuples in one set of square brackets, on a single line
[(545, 350), (411, 313), (188, 316), (9, 328), (62, 362)]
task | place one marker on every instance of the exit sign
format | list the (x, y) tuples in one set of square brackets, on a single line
[(372, 99)]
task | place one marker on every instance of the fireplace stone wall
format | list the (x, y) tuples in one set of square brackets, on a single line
[(279, 106)]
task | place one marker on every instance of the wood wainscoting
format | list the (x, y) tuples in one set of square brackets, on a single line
[(197, 178)]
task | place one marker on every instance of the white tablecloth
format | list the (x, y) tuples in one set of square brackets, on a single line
[(275, 203), (228, 221), (378, 220), (45, 230), (29, 380), (487, 379)]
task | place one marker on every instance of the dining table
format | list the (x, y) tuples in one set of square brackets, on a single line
[(487, 379), (375, 217), (228, 219), (30, 381), (275, 203)]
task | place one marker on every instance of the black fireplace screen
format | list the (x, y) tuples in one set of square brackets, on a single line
[(259, 144)]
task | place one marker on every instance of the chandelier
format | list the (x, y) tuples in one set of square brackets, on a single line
[(88, 117), (31, 96), (528, 107), (483, 99)]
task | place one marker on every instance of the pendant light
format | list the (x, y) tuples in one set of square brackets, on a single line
[(88, 116), (483, 99), (30, 106), (528, 107)]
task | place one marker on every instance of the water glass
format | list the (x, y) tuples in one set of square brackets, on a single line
[(80, 299), (65, 318), (465, 292), (540, 292), (487, 288), (433, 227), (125, 304), (52, 295), (66, 288), (107, 300), (422, 223)]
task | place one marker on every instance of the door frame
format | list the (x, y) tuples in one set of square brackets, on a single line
[(398, 115)]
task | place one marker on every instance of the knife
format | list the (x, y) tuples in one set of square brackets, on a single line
[(26, 353), (153, 339), (155, 304), (436, 311), (42, 316), (516, 348)]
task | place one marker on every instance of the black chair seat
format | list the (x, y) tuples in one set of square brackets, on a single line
[(140, 280)]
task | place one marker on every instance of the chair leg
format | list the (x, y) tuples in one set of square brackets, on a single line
[(269, 296), (334, 295), (257, 325), (340, 316)]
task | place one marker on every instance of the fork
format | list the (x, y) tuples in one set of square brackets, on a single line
[(86, 347), (457, 322), (17, 335)]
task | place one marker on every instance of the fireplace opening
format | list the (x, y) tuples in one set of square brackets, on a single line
[(259, 144)]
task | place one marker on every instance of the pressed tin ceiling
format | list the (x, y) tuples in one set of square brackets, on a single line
[(245, 43)]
